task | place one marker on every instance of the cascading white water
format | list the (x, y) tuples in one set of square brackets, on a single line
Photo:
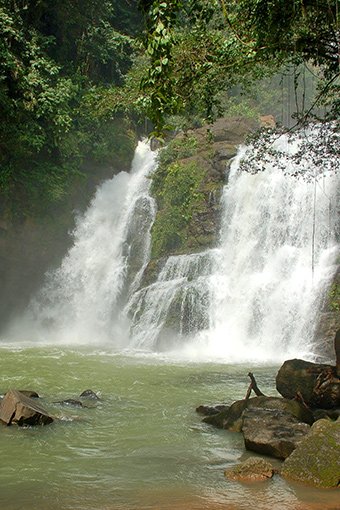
[(175, 306), (255, 297), (81, 301), (276, 258)]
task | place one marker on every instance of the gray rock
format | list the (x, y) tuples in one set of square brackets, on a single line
[(317, 383), (211, 410), (272, 432), (30, 393), (16, 408), (232, 417), (89, 394)]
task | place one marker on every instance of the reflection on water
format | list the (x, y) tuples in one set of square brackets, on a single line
[(141, 447)]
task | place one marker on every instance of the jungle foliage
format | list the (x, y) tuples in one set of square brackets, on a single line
[(178, 198), (76, 76), (58, 60), (200, 47)]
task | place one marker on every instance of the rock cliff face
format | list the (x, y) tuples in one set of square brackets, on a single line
[(187, 185)]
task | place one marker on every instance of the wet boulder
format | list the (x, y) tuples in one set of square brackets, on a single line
[(272, 432), (17, 408), (317, 384), (316, 460), (232, 417), (253, 469), (90, 394), (210, 410)]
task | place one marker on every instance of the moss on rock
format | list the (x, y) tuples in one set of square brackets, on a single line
[(179, 197), (188, 183), (253, 469), (316, 460)]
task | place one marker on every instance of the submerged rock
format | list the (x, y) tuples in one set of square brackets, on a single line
[(89, 394), (272, 432), (253, 469), (316, 460), (16, 408), (232, 417), (70, 402), (317, 384)]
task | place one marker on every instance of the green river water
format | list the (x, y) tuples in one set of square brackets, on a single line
[(142, 446)]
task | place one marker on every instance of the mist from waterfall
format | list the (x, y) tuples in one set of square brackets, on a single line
[(81, 301), (254, 297)]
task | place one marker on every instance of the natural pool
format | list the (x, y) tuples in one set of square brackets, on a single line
[(142, 446)]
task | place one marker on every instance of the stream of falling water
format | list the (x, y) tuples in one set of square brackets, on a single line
[(254, 297), (257, 295)]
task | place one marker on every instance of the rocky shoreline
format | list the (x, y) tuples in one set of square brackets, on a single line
[(301, 428)]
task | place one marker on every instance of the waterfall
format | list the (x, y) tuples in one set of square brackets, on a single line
[(276, 257), (81, 301), (175, 306), (255, 296)]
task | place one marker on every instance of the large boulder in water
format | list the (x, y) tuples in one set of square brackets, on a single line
[(16, 408), (272, 432), (232, 418), (317, 384), (316, 460)]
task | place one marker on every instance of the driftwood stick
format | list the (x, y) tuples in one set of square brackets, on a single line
[(248, 391), (253, 386)]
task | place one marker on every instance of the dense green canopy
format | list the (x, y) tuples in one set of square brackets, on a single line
[(198, 47), (74, 73), (56, 58)]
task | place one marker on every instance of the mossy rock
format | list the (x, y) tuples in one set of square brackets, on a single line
[(152, 271), (316, 460), (179, 196), (253, 469)]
